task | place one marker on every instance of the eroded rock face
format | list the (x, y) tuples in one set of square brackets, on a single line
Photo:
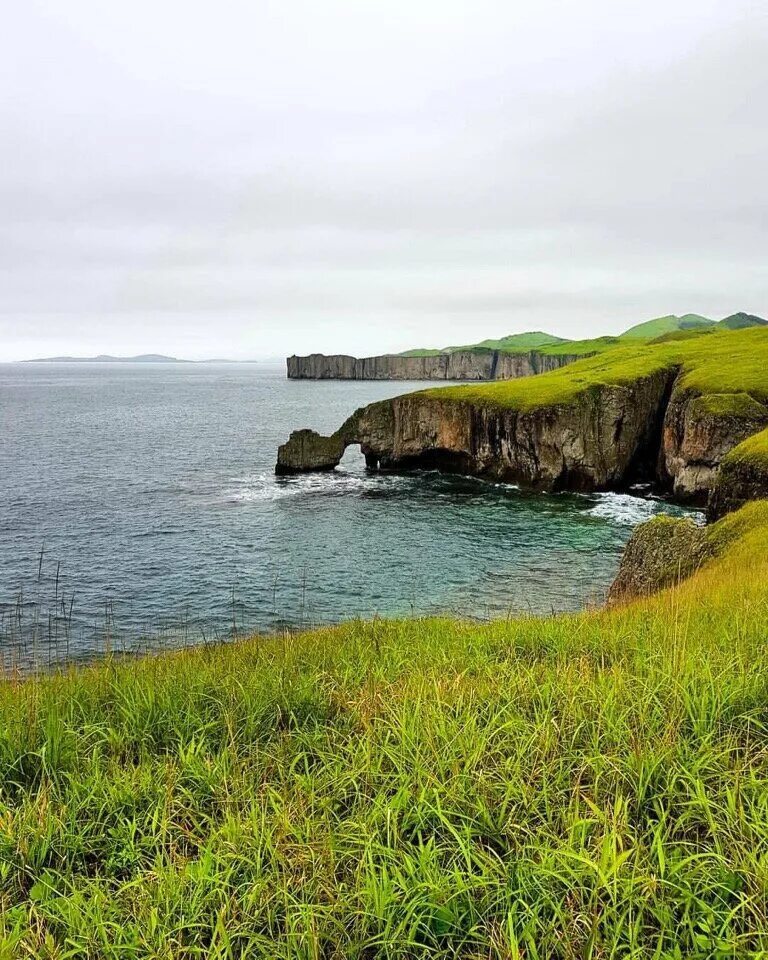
[(461, 365), (698, 433), (604, 439), (738, 482), (652, 429), (306, 450), (659, 553)]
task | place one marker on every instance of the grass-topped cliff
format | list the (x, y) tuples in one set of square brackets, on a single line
[(727, 362), (580, 786), (505, 358), (666, 411)]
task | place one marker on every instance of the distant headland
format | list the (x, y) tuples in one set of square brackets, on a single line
[(140, 358)]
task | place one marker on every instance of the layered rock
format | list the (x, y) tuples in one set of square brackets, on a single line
[(605, 438), (608, 437), (699, 431), (459, 365), (743, 477), (308, 451)]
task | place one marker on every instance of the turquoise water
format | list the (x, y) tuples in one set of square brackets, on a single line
[(150, 491)]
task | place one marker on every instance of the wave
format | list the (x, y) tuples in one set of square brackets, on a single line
[(269, 487), (629, 510)]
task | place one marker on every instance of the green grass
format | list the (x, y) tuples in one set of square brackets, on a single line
[(514, 343), (525, 343), (739, 405), (753, 450), (740, 321), (584, 786), (669, 324), (727, 362), (576, 348), (661, 329)]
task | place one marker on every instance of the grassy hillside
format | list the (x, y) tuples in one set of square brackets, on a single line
[(583, 786), (667, 327), (661, 325), (753, 450), (740, 321), (514, 343), (724, 362)]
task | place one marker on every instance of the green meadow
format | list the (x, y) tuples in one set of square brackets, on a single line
[(721, 363), (583, 786)]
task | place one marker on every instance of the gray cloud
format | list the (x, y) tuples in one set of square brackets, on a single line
[(258, 179)]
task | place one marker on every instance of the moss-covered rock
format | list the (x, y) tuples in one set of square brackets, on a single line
[(660, 553)]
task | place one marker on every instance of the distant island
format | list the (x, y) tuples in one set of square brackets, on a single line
[(140, 358), (107, 358)]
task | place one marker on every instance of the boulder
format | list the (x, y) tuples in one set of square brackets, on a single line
[(659, 553)]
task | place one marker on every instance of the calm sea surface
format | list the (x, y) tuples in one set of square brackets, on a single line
[(139, 501)]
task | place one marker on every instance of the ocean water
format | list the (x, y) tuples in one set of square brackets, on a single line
[(139, 507)]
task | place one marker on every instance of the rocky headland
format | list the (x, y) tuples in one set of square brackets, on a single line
[(668, 414)]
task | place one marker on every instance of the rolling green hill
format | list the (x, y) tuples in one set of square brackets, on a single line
[(514, 343), (725, 362), (661, 325), (739, 321), (668, 327)]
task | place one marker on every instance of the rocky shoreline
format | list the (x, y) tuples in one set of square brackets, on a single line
[(608, 438)]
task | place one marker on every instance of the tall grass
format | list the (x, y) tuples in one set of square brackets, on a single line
[(583, 786)]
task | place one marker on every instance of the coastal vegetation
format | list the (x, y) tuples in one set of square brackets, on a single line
[(648, 330), (505, 358), (585, 786), (590, 785), (723, 363)]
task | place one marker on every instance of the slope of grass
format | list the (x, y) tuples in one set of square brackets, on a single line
[(661, 325), (740, 321), (662, 328), (584, 786), (722, 363), (579, 347), (753, 450), (514, 343)]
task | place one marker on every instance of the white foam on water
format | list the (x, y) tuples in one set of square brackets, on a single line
[(625, 509), (269, 487)]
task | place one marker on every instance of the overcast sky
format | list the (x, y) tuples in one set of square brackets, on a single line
[(249, 178)]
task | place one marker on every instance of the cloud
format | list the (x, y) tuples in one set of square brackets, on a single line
[(297, 176)]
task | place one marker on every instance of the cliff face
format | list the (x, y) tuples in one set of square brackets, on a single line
[(461, 365), (605, 439), (699, 432), (743, 477), (608, 437)]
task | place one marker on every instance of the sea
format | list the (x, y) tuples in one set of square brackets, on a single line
[(139, 509)]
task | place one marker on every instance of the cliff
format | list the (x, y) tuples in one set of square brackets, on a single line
[(608, 438), (670, 414), (458, 365), (743, 477)]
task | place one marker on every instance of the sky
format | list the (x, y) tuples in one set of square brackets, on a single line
[(251, 179)]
